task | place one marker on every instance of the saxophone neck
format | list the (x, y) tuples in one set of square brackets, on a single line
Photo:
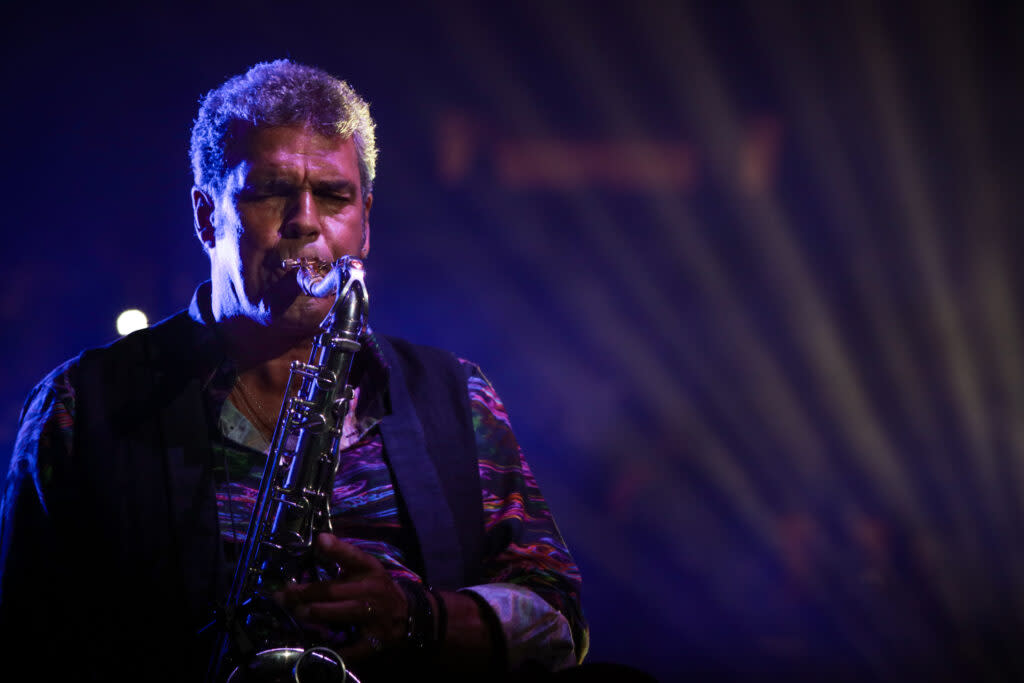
[(347, 279)]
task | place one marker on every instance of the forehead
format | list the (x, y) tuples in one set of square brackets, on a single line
[(294, 149)]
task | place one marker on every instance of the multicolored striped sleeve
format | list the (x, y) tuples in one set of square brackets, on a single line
[(31, 559), (526, 555), (46, 430)]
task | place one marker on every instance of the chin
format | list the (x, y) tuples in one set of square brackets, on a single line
[(304, 313)]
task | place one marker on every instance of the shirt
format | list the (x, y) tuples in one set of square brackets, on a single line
[(532, 583)]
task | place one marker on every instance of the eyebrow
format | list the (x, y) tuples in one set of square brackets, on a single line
[(274, 181), (335, 186)]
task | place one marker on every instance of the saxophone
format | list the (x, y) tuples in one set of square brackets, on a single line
[(258, 640)]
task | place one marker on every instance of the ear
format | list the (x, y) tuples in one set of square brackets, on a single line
[(202, 215), (365, 251)]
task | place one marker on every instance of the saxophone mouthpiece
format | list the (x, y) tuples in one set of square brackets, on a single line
[(319, 278), (312, 266), (310, 275)]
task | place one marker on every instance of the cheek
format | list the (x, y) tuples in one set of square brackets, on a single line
[(347, 235), (257, 256), (259, 227)]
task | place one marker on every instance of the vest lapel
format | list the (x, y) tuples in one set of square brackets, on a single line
[(188, 464), (418, 482)]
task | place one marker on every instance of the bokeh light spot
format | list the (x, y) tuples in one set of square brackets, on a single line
[(131, 320)]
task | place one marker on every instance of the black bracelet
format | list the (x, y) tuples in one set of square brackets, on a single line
[(420, 634), (441, 631)]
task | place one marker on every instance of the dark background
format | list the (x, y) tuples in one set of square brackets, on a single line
[(744, 274)]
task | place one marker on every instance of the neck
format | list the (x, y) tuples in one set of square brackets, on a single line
[(263, 355), (261, 349)]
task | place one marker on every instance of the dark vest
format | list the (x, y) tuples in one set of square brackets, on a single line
[(142, 524)]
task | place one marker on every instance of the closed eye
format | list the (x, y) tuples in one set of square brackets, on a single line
[(266, 190), (336, 190)]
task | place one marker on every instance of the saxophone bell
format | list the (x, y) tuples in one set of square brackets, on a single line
[(291, 664)]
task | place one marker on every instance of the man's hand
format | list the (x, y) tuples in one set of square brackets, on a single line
[(363, 596)]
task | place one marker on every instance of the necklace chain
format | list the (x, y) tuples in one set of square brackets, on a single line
[(257, 411)]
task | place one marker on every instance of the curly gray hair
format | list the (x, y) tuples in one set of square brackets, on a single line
[(279, 93)]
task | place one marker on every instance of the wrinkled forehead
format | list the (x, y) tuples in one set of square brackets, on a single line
[(293, 150), (244, 140)]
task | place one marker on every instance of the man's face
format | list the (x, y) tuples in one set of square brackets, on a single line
[(290, 192)]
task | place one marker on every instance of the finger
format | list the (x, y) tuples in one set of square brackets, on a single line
[(365, 647), (356, 612), (325, 591), (349, 557)]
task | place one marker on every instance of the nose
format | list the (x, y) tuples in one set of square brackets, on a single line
[(303, 218)]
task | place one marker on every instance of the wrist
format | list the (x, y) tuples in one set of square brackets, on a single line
[(490, 636), (426, 620)]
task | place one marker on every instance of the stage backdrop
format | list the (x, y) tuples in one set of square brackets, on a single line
[(744, 274)]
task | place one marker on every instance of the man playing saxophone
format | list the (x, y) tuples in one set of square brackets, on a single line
[(137, 465)]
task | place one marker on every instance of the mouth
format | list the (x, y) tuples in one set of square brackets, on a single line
[(296, 273), (313, 267), (282, 264)]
